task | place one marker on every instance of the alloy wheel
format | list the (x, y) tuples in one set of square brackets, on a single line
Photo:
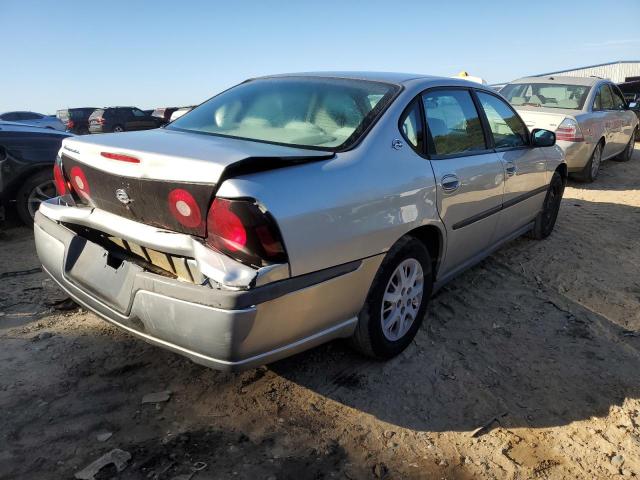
[(39, 194), (402, 299)]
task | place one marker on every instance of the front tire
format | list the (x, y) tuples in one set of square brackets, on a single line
[(397, 301), (36, 189), (546, 219)]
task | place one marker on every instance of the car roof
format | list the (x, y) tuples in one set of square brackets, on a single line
[(560, 79), (389, 77)]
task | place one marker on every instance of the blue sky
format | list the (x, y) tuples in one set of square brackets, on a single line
[(160, 53)]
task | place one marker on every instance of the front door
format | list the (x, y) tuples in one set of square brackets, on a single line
[(469, 175), (525, 168)]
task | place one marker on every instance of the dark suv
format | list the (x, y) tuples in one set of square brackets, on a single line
[(121, 119), (76, 120)]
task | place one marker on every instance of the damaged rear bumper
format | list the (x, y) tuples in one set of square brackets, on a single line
[(220, 328)]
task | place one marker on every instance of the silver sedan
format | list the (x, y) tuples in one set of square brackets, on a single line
[(590, 117), (291, 210)]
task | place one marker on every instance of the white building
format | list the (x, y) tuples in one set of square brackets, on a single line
[(617, 72)]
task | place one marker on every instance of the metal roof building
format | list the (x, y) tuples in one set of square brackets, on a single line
[(617, 72)]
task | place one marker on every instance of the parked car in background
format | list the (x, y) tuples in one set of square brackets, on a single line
[(121, 119), (35, 119), (27, 155), (164, 114), (180, 112), (291, 210), (590, 117), (76, 120)]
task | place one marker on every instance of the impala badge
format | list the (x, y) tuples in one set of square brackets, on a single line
[(122, 196)]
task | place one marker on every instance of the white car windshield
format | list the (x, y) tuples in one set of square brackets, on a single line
[(325, 113), (547, 95)]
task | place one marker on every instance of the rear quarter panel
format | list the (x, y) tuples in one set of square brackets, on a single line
[(23, 153), (353, 206)]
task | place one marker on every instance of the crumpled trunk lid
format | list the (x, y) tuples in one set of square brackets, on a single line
[(166, 161)]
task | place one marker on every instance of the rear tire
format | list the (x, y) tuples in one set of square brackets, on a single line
[(590, 171), (118, 129), (546, 219), (34, 190), (627, 153), (397, 300)]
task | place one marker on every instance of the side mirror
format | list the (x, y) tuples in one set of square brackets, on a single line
[(634, 106), (543, 138)]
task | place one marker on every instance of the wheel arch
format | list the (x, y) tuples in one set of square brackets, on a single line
[(563, 171), (432, 237)]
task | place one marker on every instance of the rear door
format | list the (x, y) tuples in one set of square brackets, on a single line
[(469, 175), (141, 120), (525, 168), (605, 114)]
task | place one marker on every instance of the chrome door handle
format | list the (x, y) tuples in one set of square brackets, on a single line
[(510, 169), (450, 183)]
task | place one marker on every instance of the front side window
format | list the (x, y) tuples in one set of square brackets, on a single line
[(507, 128), (618, 99), (412, 128), (138, 113), (547, 95), (453, 122), (325, 113)]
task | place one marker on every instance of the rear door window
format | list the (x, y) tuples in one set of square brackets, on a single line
[(507, 128), (604, 99), (453, 123)]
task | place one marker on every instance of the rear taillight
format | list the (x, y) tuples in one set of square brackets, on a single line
[(80, 183), (569, 131), (184, 208), (58, 178), (70, 124), (240, 229)]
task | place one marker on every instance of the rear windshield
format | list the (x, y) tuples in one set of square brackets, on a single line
[(548, 95), (324, 113)]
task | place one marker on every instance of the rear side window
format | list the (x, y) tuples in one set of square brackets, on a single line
[(138, 113), (412, 127), (453, 122), (507, 128), (604, 99), (30, 116)]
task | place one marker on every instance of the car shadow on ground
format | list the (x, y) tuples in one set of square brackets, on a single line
[(500, 340)]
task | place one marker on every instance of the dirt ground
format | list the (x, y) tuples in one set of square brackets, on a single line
[(543, 337)]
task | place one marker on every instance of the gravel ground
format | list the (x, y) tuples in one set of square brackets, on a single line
[(539, 344)]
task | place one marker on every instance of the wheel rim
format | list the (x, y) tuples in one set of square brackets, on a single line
[(39, 194), (402, 299), (117, 129), (595, 161)]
